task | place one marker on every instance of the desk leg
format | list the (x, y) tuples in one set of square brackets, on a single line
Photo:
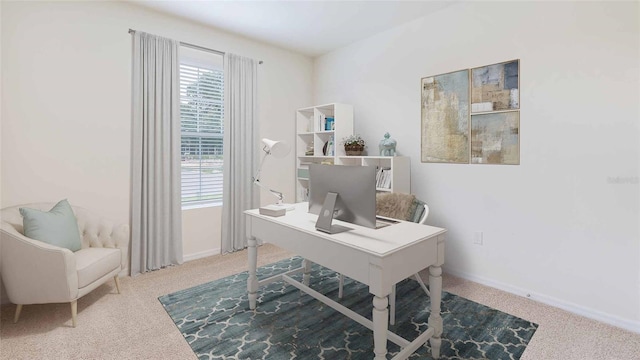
[(435, 320), (252, 281), (306, 278), (380, 321)]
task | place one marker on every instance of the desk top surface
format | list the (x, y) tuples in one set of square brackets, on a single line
[(379, 242)]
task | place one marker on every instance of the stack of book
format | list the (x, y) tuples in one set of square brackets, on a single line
[(309, 151), (383, 178)]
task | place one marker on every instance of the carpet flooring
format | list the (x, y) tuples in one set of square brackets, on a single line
[(215, 320), (134, 325)]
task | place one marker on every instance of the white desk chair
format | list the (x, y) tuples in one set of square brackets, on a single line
[(416, 276)]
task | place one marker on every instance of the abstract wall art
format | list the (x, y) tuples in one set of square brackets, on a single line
[(495, 87), (495, 138), (472, 116), (445, 118)]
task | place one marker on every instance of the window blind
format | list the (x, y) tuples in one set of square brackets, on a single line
[(202, 130)]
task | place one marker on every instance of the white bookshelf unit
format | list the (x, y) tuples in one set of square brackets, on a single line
[(312, 135), (394, 170)]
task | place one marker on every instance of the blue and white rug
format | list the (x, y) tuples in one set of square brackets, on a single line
[(215, 320)]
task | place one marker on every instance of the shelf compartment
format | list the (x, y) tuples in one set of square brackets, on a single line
[(303, 173), (311, 134), (304, 120), (304, 144), (322, 138)]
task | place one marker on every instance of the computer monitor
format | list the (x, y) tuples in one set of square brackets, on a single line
[(346, 193)]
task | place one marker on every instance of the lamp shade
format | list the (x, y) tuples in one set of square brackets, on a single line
[(278, 149)]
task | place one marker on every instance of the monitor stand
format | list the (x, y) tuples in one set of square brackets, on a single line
[(326, 216)]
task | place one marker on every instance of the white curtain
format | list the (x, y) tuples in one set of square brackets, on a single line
[(240, 148), (156, 214)]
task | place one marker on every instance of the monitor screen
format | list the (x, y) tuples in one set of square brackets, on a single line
[(355, 187)]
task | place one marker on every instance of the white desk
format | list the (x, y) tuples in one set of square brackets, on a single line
[(378, 258)]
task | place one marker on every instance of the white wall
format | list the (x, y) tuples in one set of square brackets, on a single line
[(202, 227), (563, 225), (66, 105)]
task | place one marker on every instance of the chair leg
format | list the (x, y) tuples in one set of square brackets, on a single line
[(392, 306), (74, 312), (419, 280), (18, 311), (115, 278), (340, 286)]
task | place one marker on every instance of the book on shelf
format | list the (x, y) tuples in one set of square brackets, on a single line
[(321, 121)]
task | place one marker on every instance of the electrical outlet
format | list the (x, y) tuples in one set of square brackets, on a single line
[(477, 238)]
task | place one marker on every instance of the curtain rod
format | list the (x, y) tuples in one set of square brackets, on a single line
[(197, 47)]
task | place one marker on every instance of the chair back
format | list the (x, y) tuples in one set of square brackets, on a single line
[(11, 217), (402, 206), (425, 214)]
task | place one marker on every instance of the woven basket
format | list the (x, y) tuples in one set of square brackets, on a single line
[(354, 150)]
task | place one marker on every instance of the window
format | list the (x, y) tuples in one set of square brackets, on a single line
[(202, 129)]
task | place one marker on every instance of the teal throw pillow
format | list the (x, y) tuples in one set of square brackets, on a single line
[(57, 226)]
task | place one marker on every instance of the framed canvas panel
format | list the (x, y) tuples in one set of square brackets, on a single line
[(495, 138), (495, 87), (445, 118)]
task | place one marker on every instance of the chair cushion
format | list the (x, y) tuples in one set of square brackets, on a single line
[(57, 226), (395, 205), (94, 263)]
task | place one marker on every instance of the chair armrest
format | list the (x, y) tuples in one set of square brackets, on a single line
[(35, 272), (121, 237)]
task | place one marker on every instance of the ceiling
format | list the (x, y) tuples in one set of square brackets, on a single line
[(312, 28)]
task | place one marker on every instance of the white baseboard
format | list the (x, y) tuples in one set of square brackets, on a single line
[(597, 315), (200, 255)]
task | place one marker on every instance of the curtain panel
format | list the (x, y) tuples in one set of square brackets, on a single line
[(240, 148), (156, 210)]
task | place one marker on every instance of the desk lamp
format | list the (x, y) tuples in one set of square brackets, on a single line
[(278, 149)]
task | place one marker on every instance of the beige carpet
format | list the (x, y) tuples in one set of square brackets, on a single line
[(134, 325)]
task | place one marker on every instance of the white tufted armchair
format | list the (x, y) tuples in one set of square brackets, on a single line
[(35, 272)]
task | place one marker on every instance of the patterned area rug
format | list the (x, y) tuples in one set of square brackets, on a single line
[(288, 324)]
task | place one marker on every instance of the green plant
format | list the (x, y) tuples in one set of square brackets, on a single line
[(353, 140)]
